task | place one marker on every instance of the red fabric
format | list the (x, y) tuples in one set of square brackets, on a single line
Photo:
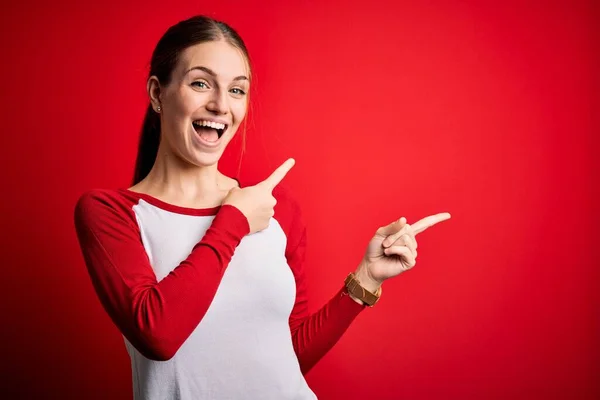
[(157, 317)]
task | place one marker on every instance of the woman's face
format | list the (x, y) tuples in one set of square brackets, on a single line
[(205, 102)]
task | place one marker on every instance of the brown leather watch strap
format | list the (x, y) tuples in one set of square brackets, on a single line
[(356, 290)]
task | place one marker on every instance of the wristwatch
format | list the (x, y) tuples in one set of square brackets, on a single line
[(357, 291)]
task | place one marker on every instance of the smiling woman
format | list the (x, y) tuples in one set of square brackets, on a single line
[(201, 108), (199, 79), (204, 274)]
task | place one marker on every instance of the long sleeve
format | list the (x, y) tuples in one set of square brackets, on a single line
[(156, 317), (313, 335)]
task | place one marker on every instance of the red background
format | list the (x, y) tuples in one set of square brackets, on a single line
[(488, 110)]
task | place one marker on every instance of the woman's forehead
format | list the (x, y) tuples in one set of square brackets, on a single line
[(225, 60)]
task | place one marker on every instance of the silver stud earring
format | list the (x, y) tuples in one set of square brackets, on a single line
[(158, 108)]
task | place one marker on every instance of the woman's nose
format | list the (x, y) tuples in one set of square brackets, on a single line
[(217, 103)]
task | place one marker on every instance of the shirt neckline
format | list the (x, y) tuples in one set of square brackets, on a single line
[(207, 211)]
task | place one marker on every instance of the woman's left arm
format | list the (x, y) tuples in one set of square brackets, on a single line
[(391, 251)]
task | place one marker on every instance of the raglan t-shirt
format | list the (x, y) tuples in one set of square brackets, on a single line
[(207, 310)]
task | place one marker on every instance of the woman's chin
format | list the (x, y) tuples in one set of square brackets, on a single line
[(202, 159)]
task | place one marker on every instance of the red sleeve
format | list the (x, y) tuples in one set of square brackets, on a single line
[(156, 317), (313, 335)]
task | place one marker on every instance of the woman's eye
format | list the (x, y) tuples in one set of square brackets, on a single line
[(200, 84), (237, 91)]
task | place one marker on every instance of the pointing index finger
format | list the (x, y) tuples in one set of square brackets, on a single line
[(428, 222), (278, 175)]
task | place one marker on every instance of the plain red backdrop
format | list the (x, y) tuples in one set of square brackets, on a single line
[(487, 110)]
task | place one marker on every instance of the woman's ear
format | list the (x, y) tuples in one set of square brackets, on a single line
[(154, 92)]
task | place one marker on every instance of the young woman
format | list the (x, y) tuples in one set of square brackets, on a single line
[(203, 274)]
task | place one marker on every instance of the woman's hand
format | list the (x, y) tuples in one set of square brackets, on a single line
[(392, 251), (257, 202)]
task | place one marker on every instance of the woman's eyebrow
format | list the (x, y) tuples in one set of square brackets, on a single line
[(213, 73)]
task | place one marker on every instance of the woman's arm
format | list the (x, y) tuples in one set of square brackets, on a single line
[(156, 317)]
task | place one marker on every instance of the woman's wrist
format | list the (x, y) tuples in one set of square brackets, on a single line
[(365, 279), (362, 276)]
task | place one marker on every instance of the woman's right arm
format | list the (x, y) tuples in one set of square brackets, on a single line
[(156, 317)]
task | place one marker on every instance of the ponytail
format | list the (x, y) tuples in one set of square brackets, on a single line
[(148, 145)]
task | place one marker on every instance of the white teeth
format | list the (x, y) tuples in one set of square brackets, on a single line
[(211, 124)]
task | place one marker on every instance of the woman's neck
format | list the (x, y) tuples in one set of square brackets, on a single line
[(176, 182)]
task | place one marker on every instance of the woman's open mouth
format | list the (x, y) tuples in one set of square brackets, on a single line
[(209, 131)]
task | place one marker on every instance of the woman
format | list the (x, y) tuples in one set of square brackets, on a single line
[(202, 273)]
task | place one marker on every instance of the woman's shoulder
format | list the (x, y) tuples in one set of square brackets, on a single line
[(99, 197), (99, 205)]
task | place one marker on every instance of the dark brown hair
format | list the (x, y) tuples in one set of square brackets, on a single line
[(187, 33)]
